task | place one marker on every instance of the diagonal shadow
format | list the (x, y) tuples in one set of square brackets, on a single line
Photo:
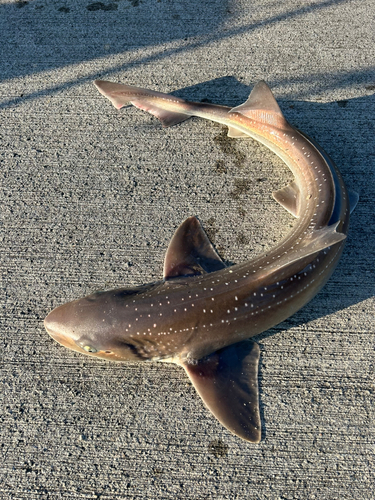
[(91, 38)]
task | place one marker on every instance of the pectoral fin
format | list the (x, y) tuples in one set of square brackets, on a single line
[(317, 241), (227, 381)]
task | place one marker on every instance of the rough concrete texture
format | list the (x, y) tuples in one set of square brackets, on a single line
[(90, 199)]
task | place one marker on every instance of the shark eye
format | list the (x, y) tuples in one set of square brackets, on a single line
[(89, 348)]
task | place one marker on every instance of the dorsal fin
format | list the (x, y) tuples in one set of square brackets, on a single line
[(190, 252), (261, 97), (262, 106), (288, 197)]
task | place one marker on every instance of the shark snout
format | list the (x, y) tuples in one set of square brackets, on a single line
[(57, 325)]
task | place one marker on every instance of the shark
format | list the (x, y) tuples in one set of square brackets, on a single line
[(202, 314)]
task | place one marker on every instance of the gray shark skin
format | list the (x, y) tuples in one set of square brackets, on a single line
[(201, 315)]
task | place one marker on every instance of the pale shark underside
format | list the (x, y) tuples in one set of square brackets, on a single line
[(201, 315)]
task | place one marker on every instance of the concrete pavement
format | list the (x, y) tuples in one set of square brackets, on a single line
[(90, 199)]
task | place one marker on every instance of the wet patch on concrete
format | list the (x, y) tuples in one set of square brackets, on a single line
[(211, 229), (241, 186), (241, 212), (218, 448), (343, 103), (101, 6), (242, 239), (227, 146), (220, 167)]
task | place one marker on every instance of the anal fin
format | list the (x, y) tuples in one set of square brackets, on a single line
[(227, 381)]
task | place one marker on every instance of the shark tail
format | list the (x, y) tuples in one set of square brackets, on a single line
[(169, 109)]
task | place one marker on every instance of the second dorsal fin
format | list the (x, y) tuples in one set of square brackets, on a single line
[(262, 106), (288, 197)]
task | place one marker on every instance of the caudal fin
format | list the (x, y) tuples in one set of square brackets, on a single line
[(165, 107)]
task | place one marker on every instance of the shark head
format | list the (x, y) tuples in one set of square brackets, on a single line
[(90, 326), (126, 324)]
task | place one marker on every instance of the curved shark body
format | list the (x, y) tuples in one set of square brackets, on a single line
[(201, 315)]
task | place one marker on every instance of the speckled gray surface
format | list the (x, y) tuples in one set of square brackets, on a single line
[(91, 197)]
